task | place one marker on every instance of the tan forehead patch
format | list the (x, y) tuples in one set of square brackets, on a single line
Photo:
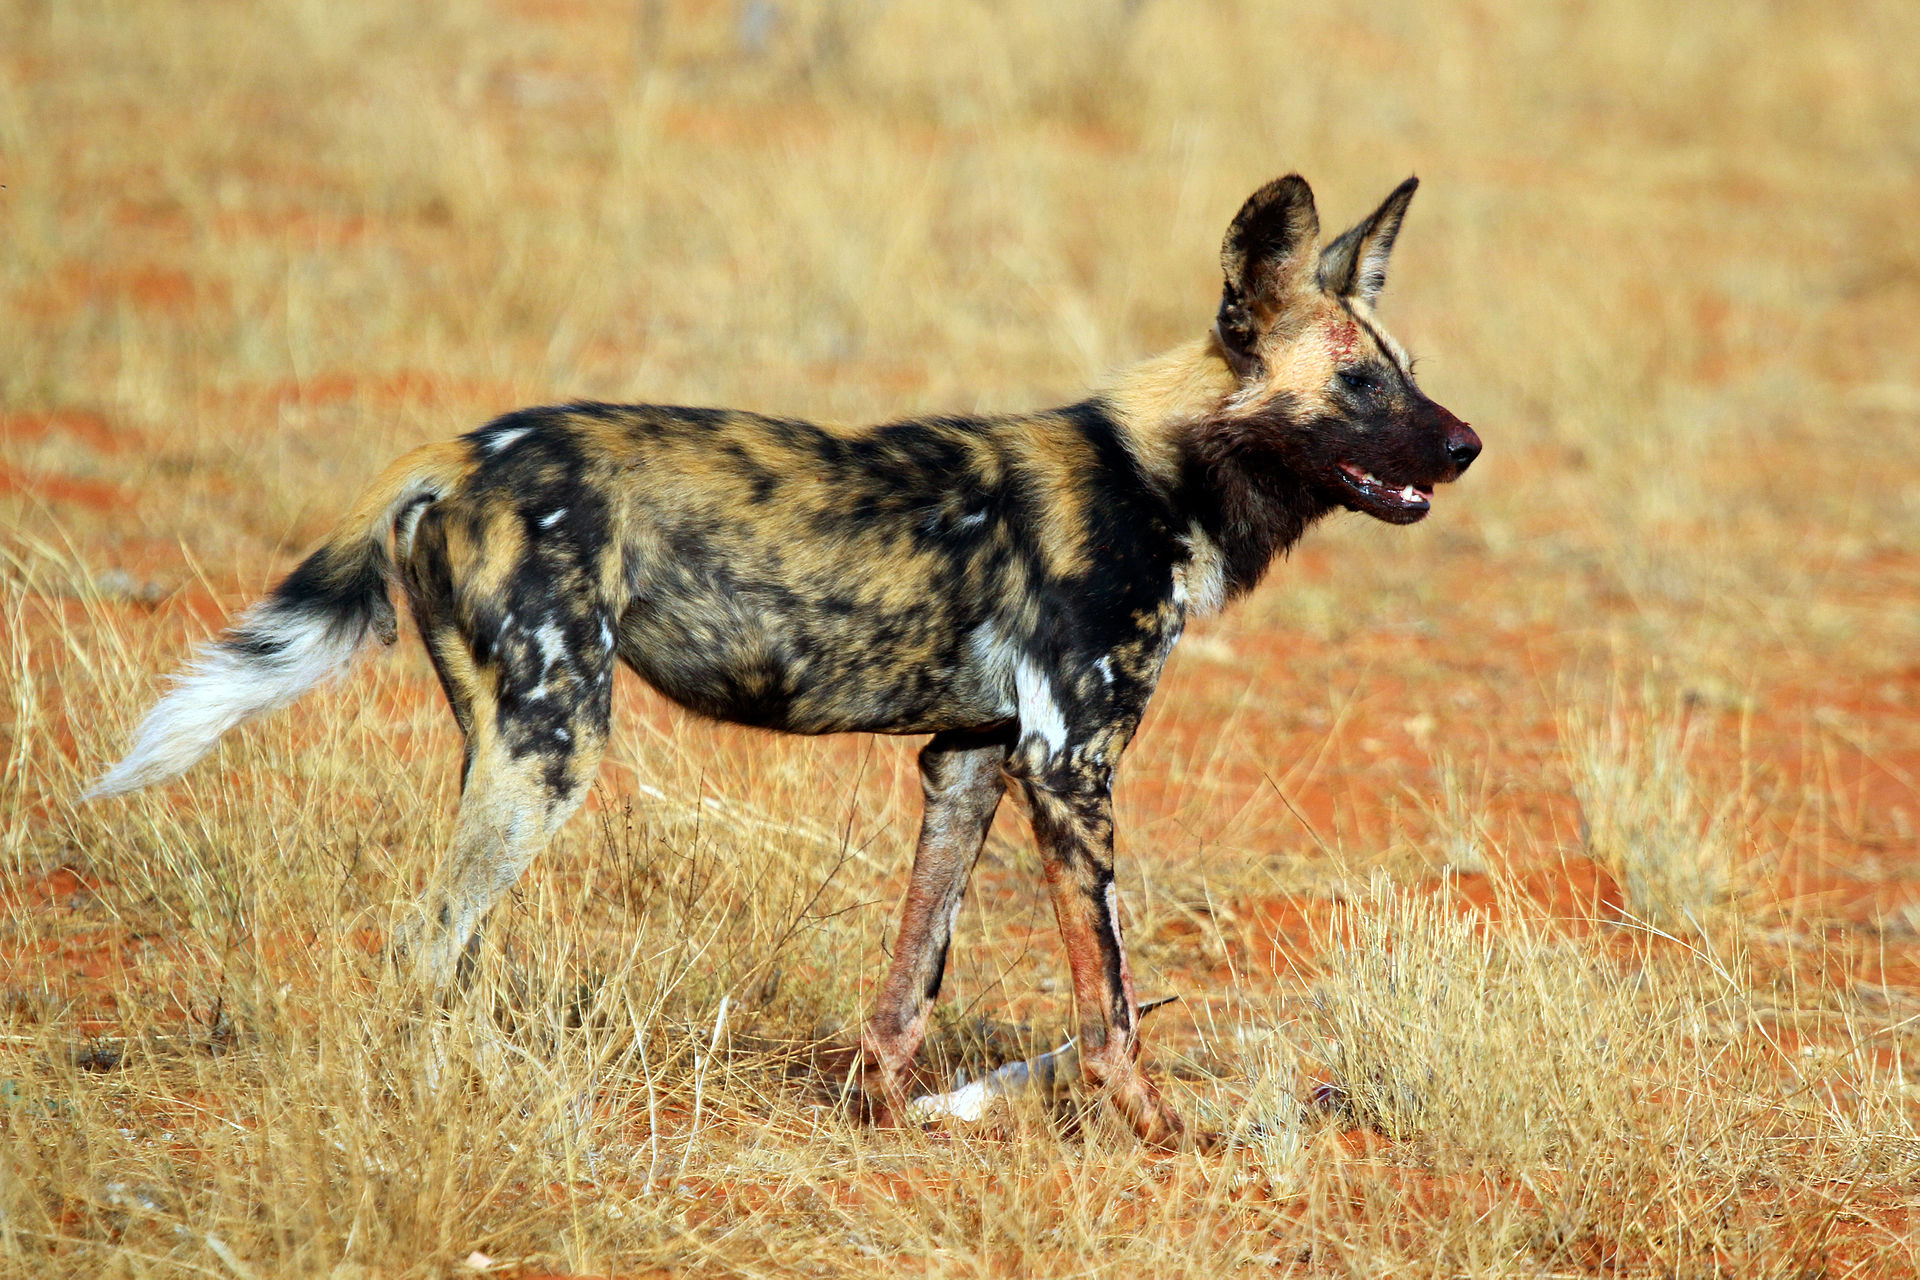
[(1303, 363)]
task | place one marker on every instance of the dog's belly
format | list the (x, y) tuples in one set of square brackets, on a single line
[(810, 663)]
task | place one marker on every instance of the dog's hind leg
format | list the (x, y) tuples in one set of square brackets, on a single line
[(961, 778), (535, 713)]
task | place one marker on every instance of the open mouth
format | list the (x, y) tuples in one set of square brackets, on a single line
[(1401, 505)]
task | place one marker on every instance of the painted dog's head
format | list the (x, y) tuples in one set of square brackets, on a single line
[(1326, 399)]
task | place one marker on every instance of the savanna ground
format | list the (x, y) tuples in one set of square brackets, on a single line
[(1540, 883)]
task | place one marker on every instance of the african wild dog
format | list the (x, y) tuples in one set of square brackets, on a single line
[(1010, 585)]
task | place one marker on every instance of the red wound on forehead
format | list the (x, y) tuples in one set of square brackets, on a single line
[(1343, 338)]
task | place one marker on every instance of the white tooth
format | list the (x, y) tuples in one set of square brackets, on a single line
[(1410, 493), (1370, 478)]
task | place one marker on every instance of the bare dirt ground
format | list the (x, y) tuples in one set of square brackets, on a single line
[(1541, 883)]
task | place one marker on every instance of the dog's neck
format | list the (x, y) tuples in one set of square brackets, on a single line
[(1216, 467), (1154, 400)]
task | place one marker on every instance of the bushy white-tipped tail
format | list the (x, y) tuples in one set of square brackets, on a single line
[(270, 658), (305, 631)]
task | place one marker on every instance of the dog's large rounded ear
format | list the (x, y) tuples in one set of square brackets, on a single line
[(1268, 250), (1355, 265)]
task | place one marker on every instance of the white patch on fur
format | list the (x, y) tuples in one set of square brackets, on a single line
[(994, 659), (501, 439), (1040, 715), (1200, 585), (562, 734), (971, 520), (553, 644), (1105, 668), (953, 912), (552, 518), (223, 687)]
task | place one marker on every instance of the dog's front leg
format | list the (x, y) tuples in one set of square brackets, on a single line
[(1073, 820), (961, 778)]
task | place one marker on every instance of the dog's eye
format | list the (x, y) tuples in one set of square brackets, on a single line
[(1359, 382)]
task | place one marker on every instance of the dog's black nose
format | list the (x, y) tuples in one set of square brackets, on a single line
[(1457, 439), (1463, 444)]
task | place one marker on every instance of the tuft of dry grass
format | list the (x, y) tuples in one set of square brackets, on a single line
[(1643, 816), (1507, 1047), (1591, 1103)]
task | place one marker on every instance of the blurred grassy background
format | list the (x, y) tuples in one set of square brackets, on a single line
[(1667, 260)]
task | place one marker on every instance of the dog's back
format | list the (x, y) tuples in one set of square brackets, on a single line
[(789, 575)]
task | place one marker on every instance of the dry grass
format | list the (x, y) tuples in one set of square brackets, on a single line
[(1489, 1046), (1591, 1110), (1642, 816), (1645, 998)]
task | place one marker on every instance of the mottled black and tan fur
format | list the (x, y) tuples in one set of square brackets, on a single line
[(1010, 585)]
